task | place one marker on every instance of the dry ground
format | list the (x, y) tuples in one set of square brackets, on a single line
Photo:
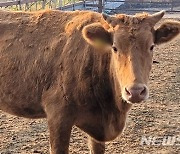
[(158, 117)]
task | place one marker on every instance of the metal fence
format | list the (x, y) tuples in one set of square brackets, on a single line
[(109, 6), (29, 5), (143, 6)]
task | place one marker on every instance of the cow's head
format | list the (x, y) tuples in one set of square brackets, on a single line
[(131, 39)]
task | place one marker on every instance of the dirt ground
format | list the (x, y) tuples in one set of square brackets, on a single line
[(157, 117)]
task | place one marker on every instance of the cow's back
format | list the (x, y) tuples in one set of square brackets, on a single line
[(33, 48)]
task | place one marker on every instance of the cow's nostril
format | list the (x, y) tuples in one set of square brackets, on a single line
[(127, 92), (143, 92)]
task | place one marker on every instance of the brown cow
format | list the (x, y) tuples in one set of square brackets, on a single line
[(77, 68)]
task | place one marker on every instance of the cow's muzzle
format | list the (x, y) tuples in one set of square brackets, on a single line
[(135, 93)]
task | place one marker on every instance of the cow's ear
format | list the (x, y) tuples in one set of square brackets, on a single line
[(167, 31), (97, 36)]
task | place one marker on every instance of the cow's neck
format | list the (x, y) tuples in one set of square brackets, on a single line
[(106, 88), (107, 114)]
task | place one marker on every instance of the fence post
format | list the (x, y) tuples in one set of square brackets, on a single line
[(43, 4), (103, 5), (60, 4), (54, 4), (74, 5), (19, 3), (84, 4), (172, 5), (36, 5), (100, 6)]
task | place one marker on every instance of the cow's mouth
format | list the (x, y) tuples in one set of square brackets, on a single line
[(131, 102)]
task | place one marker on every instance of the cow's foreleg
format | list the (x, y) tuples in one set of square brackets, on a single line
[(59, 137), (60, 122), (96, 147)]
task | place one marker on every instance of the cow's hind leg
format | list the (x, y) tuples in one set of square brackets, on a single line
[(96, 147)]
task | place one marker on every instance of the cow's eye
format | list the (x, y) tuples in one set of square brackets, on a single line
[(152, 47), (114, 49)]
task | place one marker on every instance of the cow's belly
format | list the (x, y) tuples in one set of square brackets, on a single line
[(23, 109), (20, 93)]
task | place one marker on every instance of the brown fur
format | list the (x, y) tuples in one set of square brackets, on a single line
[(49, 70)]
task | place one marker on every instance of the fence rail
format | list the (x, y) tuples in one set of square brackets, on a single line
[(30, 4), (97, 5), (145, 5), (19, 2)]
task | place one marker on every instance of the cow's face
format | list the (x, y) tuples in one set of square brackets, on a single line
[(131, 40), (132, 52)]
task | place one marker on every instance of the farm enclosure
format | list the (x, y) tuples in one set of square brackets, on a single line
[(97, 5)]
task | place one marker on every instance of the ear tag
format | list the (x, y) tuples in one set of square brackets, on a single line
[(100, 43)]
